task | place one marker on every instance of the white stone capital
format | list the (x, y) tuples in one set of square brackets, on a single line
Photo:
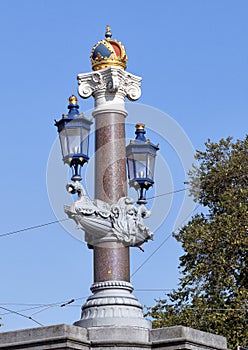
[(109, 87)]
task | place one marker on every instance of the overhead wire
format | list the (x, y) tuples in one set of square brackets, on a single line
[(151, 255), (162, 243), (153, 289), (68, 303), (47, 306), (168, 193), (21, 310), (65, 219), (22, 315), (38, 306), (32, 227), (30, 317), (216, 309)]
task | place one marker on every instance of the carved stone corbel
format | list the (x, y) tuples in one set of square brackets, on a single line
[(121, 222)]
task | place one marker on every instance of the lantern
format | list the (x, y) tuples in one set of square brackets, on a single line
[(74, 131), (141, 154)]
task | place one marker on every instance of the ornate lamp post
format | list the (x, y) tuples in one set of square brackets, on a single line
[(111, 222), (141, 155)]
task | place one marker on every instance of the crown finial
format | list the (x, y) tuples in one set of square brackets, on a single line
[(108, 33), (108, 53)]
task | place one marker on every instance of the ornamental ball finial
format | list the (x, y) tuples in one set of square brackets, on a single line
[(108, 33), (73, 100), (140, 126), (140, 132)]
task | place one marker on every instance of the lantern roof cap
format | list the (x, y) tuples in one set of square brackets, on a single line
[(140, 140)]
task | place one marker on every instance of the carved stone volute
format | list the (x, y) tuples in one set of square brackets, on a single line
[(109, 86)]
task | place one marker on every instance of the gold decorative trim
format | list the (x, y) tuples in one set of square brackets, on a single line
[(73, 100), (140, 126)]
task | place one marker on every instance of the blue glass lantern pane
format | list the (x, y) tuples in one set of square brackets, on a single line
[(85, 142), (74, 140), (63, 143), (150, 166), (130, 165), (140, 165)]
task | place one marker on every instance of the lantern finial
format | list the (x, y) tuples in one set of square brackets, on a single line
[(140, 132), (140, 126), (73, 100)]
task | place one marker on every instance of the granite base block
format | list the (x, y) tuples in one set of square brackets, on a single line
[(67, 337)]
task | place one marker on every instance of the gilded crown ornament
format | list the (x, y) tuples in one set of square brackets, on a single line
[(108, 53)]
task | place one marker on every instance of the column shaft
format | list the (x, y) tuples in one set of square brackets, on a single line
[(110, 157), (111, 260)]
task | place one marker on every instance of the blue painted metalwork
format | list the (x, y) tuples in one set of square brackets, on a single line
[(74, 131), (141, 155)]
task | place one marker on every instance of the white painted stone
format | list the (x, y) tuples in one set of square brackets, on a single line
[(194, 339), (121, 222), (109, 87), (112, 304), (67, 337)]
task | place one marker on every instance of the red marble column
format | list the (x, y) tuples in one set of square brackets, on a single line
[(111, 260)]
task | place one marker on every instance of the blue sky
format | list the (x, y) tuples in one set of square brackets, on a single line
[(192, 56)]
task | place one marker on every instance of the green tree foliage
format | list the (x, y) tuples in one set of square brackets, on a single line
[(212, 294)]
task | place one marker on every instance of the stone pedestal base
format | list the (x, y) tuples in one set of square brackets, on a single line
[(112, 304), (65, 337)]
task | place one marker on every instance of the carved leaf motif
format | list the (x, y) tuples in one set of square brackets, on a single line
[(112, 80)]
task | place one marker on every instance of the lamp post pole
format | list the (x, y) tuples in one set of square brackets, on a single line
[(111, 262), (109, 87)]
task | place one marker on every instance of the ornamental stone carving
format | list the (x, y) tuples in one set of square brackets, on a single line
[(109, 85), (121, 222), (112, 302)]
